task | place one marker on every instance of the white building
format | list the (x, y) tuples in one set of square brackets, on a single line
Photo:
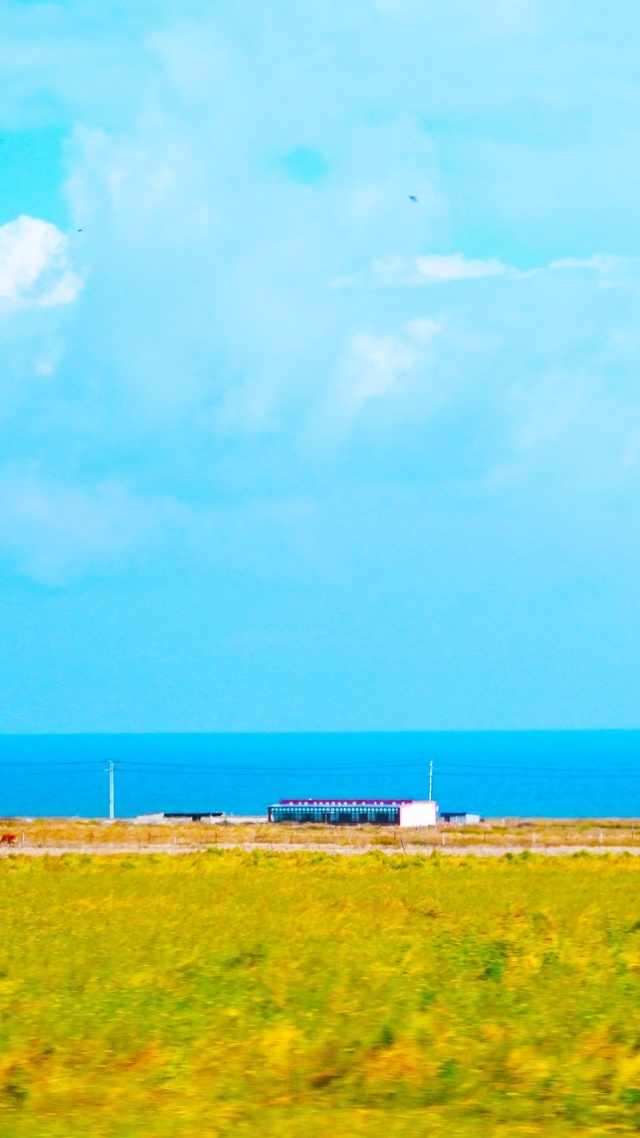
[(355, 811), (418, 813)]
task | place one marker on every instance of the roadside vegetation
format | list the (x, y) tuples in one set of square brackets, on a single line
[(272, 993)]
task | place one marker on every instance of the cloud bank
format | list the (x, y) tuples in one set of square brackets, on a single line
[(440, 455), (447, 268)]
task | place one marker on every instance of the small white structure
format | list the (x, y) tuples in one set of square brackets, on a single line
[(162, 819), (418, 813), (460, 818)]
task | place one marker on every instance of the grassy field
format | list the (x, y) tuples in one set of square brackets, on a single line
[(513, 833), (302, 994)]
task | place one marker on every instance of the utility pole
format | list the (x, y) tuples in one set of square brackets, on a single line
[(431, 780), (110, 770)]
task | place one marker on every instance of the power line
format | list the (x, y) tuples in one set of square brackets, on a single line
[(444, 771), (51, 764), (110, 771)]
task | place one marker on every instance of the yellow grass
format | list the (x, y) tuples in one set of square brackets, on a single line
[(292, 993), (516, 834)]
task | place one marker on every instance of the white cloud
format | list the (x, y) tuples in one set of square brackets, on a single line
[(445, 268), (606, 267), (435, 268), (34, 267), (56, 532), (376, 365), (428, 268)]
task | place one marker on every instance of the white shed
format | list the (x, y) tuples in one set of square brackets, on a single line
[(418, 813)]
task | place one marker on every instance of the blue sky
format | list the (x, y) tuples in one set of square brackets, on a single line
[(282, 449)]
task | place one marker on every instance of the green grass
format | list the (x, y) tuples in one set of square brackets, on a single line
[(301, 994)]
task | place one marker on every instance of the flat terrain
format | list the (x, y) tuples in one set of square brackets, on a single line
[(303, 994), (497, 836), (57, 835)]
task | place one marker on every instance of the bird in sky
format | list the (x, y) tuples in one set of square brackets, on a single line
[(412, 198)]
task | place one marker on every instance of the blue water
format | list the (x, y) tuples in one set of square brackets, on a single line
[(552, 773)]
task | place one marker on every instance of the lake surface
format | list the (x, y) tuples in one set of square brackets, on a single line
[(553, 773)]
